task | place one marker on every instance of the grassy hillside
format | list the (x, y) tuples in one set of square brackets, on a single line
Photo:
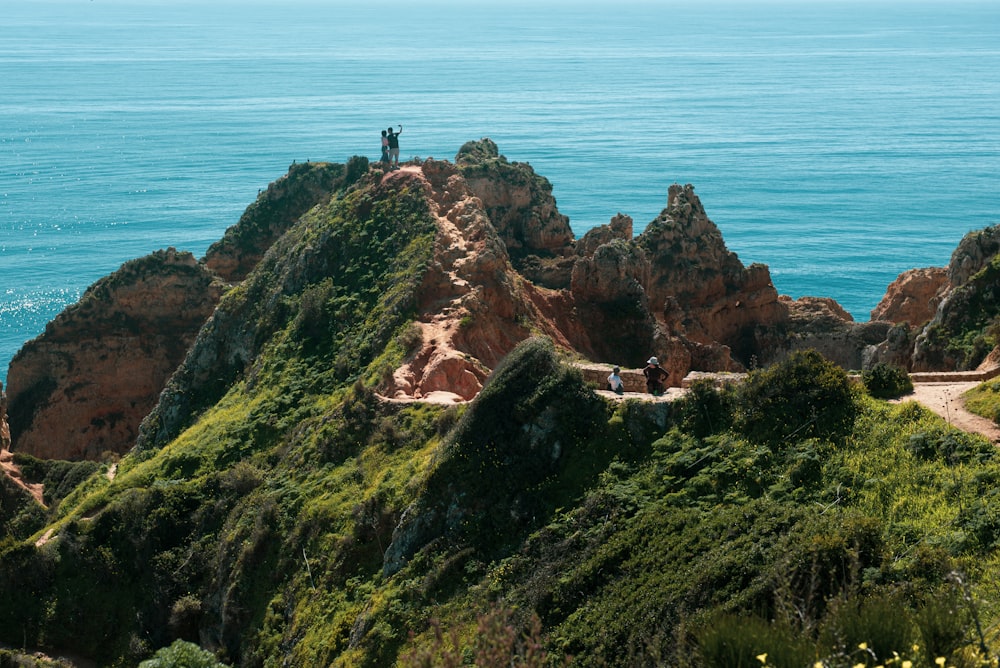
[(280, 513)]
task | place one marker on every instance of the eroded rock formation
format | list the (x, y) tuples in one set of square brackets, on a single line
[(504, 267), (949, 311), (675, 292), (80, 389), (913, 297)]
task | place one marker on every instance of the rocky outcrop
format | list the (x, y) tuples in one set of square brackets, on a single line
[(80, 389), (619, 228), (821, 324), (520, 206), (504, 266), (974, 252), (699, 286), (913, 297), (475, 305), (959, 336), (276, 209), (469, 298)]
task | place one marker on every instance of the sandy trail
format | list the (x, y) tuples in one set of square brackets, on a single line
[(946, 400)]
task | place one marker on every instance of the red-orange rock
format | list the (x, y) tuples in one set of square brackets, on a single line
[(913, 297), (80, 390)]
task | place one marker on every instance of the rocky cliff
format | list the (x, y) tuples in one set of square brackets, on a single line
[(913, 297), (277, 208), (947, 317), (80, 389), (501, 265)]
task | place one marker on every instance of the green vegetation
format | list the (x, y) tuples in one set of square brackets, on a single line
[(284, 514), (984, 400), (886, 381), (970, 326), (182, 654), (369, 533)]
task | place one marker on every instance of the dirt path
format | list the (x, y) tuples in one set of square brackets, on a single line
[(945, 399)]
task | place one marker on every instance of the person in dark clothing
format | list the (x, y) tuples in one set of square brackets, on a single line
[(656, 377), (393, 138)]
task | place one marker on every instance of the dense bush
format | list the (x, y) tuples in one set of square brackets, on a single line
[(886, 381), (805, 396), (533, 416), (58, 478), (182, 654), (705, 409)]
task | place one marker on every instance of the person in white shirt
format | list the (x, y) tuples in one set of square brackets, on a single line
[(615, 383)]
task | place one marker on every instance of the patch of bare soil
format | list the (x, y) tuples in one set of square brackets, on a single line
[(11, 470)]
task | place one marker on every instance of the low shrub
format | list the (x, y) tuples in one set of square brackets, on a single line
[(182, 654), (731, 641), (804, 396), (886, 381)]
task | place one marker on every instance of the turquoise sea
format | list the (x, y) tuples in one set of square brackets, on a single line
[(838, 142)]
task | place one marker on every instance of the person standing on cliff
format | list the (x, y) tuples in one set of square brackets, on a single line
[(656, 377), (394, 146), (385, 147)]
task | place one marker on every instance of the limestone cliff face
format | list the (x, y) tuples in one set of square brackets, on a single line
[(80, 389), (703, 287), (942, 306), (974, 252), (503, 267), (968, 307), (469, 299), (821, 324), (520, 206), (478, 303), (913, 297)]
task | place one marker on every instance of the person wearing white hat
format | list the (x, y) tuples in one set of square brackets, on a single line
[(656, 377)]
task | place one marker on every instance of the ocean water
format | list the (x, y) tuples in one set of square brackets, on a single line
[(839, 143)]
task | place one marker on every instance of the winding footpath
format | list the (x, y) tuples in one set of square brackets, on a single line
[(945, 399)]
